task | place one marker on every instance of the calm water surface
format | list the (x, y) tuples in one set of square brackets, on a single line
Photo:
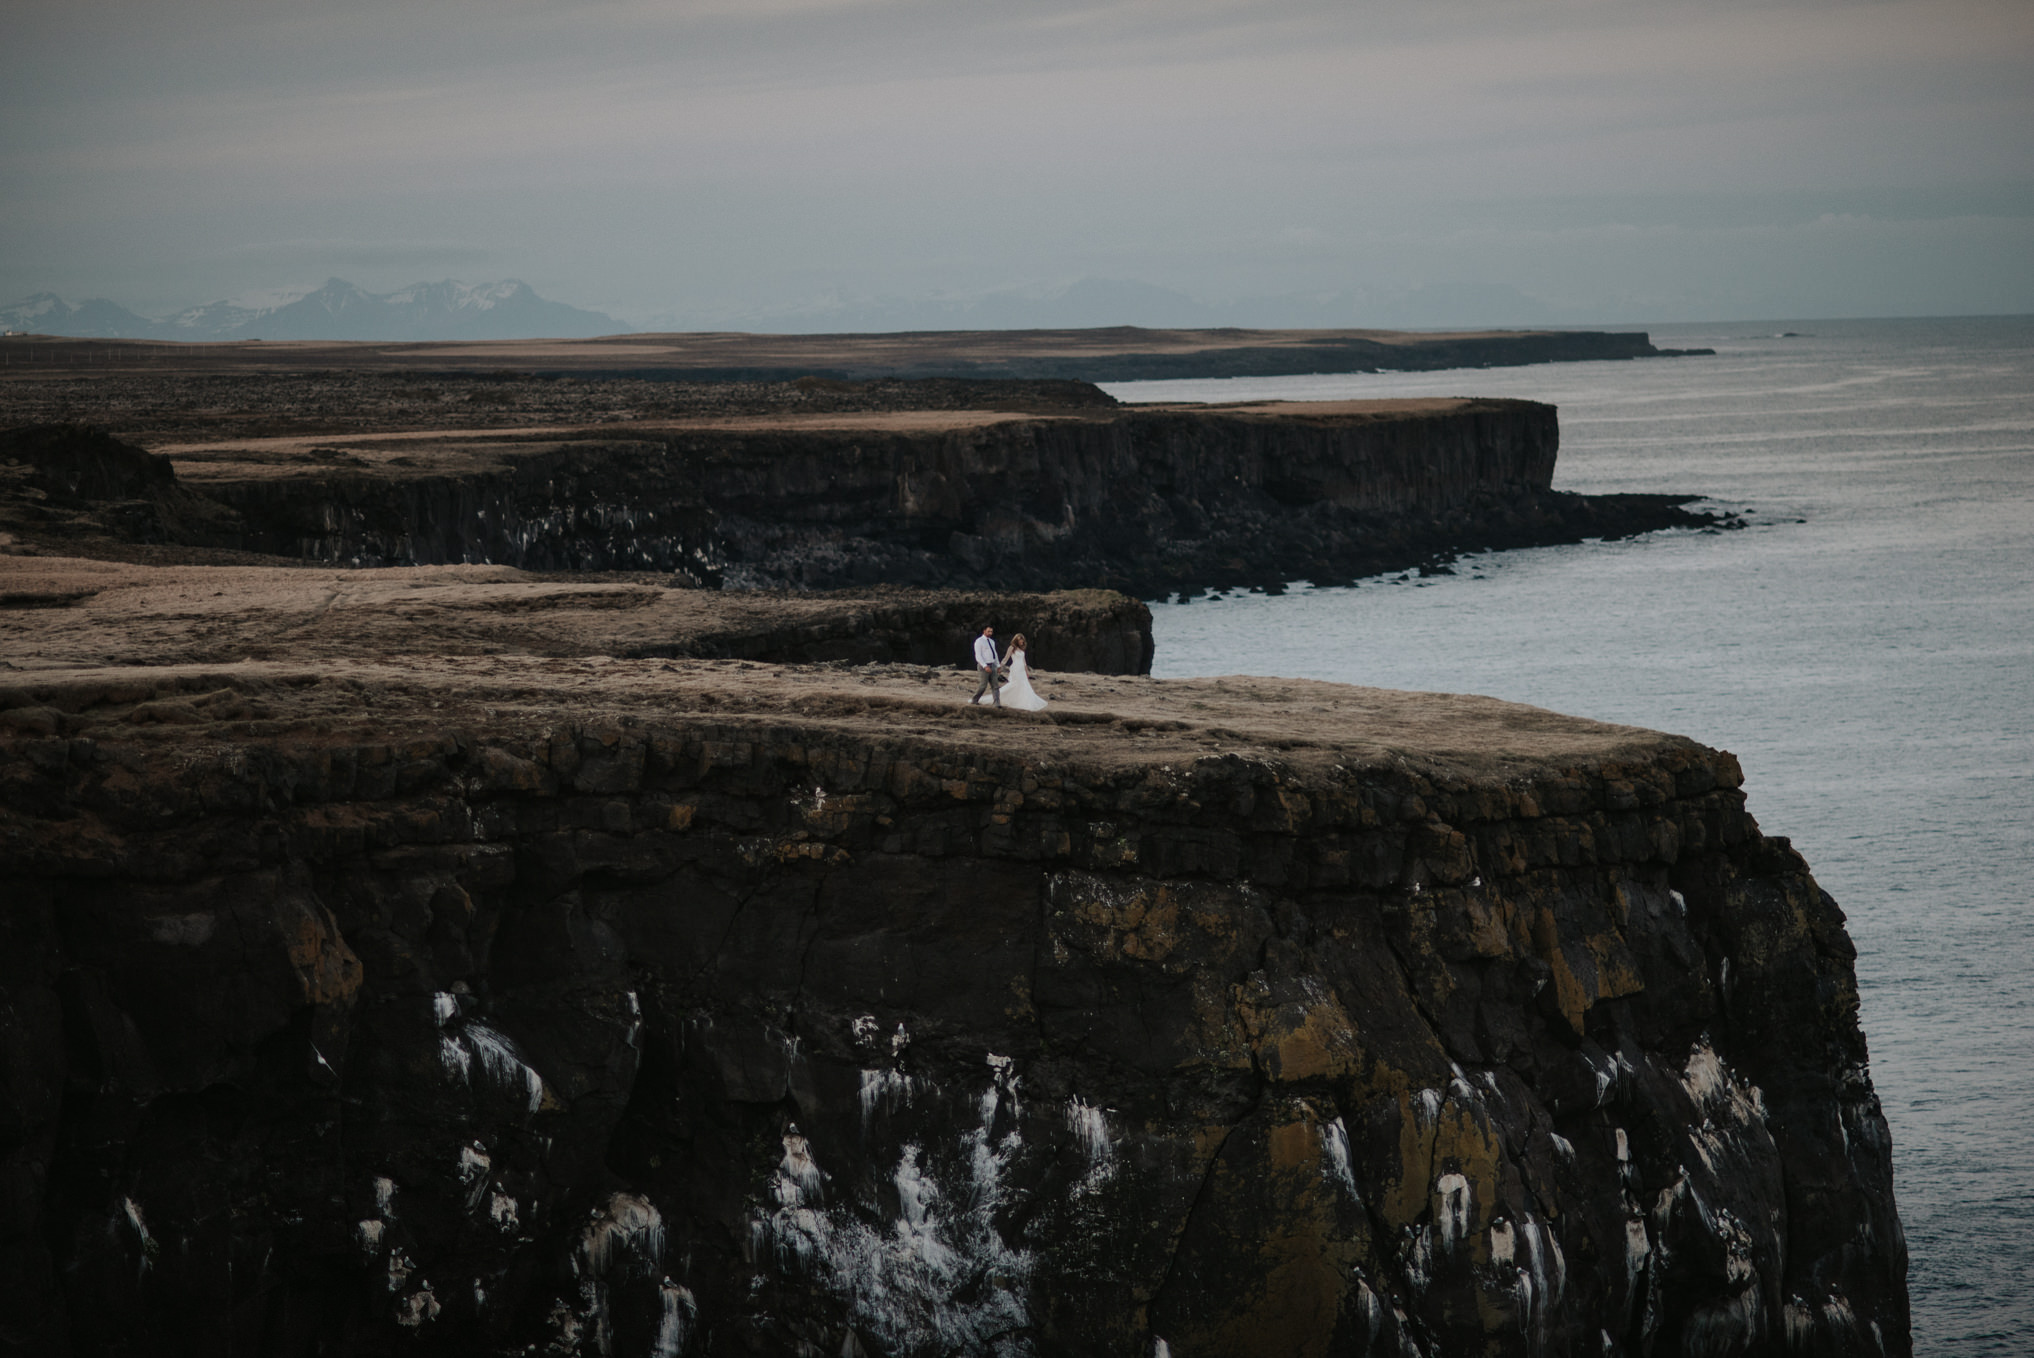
[(1866, 648)]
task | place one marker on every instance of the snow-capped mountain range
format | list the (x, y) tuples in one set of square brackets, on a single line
[(337, 311)]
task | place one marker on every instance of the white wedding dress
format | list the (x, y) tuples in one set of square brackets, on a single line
[(1017, 691)]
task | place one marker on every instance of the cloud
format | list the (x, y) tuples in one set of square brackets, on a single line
[(357, 254), (674, 149)]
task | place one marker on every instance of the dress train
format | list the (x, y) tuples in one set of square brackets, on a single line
[(1018, 692)]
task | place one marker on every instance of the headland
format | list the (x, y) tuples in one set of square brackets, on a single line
[(437, 916), (819, 485), (1104, 354), (610, 1004)]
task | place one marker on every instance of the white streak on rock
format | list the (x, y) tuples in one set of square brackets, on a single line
[(1451, 1210), (1797, 1321), (503, 1062), (367, 1235), (146, 1242), (384, 1197), (1606, 1079), (1090, 1128), (1503, 1242), (678, 1311), (888, 1090), (1335, 1150), (1002, 1088), (1373, 1314), (622, 1240), (937, 1276), (799, 1182), (1459, 1088), (453, 1056), (1718, 1092), (1548, 1270)]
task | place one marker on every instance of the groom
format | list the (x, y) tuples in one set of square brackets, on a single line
[(989, 663)]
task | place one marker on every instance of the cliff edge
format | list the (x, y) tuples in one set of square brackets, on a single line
[(1146, 500), (589, 1006)]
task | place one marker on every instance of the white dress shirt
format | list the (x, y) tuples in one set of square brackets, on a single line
[(985, 652)]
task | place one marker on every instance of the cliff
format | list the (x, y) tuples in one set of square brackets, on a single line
[(514, 1004), (1145, 500), (1101, 354), (62, 612)]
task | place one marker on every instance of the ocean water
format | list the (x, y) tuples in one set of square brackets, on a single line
[(1865, 647)]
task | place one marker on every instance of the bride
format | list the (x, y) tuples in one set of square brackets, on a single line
[(1017, 692)]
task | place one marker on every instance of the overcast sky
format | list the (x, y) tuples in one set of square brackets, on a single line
[(1619, 160)]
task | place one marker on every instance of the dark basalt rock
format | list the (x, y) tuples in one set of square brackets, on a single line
[(1152, 501), (73, 485), (718, 1034), (583, 506), (1144, 501)]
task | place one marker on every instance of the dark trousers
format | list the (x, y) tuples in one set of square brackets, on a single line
[(992, 684)]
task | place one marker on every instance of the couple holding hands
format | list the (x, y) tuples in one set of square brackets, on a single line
[(1007, 681)]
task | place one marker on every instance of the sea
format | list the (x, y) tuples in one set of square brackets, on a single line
[(1865, 646)]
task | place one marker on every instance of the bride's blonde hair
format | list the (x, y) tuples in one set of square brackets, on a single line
[(1017, 642)]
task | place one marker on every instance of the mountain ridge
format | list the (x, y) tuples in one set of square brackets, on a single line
[(337, 310)]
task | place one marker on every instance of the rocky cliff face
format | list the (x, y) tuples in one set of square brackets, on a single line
[(1319, 352), (387, 1010), (1144, 500), (1056, 493), (593, 505), (1108, 354)]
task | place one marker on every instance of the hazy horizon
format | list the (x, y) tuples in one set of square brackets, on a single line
[(1290, 162)]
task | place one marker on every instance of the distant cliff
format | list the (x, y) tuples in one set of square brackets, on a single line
[(1145, 500), (1150, 500), (1101, 354), (1320, 352), (415, 1008)]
